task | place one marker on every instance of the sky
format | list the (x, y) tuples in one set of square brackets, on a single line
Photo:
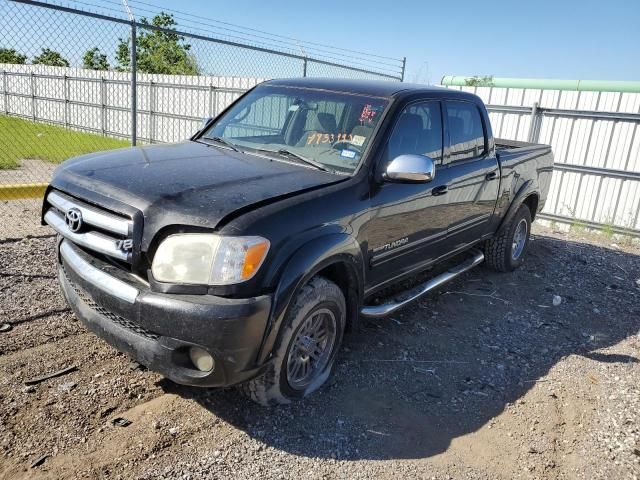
[(579, 40), (543, 38)]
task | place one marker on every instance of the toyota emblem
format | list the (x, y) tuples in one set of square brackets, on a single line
[(73, 219)]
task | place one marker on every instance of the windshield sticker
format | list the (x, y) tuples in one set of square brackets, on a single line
[(294, 108), (348, 154), (358, 140), (368, 114), (319, 137)]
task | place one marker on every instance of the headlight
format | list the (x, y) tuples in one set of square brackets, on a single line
[(204, 258)]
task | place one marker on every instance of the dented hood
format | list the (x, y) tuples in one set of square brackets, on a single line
[(186, 183)]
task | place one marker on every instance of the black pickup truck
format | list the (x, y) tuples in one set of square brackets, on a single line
[(241, 256)]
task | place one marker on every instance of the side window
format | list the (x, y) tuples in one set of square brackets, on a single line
[(465, 130), (418, 130)]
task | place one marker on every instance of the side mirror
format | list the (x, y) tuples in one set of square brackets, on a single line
[(410, 168)]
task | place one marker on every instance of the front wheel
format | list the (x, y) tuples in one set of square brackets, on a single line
[(506, 251), (310, 338)]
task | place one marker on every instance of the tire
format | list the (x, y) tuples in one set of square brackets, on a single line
[(322, 301), (503, 253)]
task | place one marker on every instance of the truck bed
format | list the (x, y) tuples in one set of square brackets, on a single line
[(525, 162), (504, 145), (515, 152)]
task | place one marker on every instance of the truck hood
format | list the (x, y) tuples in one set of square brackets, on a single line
[(185, 183)]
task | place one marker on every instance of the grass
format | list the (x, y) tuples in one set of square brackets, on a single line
[(607, 230), (577, 226), (21, 139)]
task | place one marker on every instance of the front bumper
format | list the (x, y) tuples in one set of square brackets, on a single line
[(157, 329)]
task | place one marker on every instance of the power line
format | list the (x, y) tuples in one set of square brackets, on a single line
[(275, 42), (248, 37), (289, 47), (295, 40)]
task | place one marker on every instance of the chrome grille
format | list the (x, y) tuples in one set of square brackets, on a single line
[(123, 322), (97, 229)]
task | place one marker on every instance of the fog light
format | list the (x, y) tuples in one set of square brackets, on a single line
[(201, 359)]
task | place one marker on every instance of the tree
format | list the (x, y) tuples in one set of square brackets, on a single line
[(9, 55), (93, 59), (50, 57), (486, 81), (159, 51)]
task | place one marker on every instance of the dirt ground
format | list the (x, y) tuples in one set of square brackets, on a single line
[(484, 379), (29, 171), (21, 218)]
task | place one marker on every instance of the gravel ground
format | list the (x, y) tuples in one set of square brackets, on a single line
[(29, 171), (21, 218), (484, 379)]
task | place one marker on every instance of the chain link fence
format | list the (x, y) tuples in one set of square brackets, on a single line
[(73, 84)]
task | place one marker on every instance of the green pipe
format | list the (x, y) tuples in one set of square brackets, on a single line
[(544, 84)]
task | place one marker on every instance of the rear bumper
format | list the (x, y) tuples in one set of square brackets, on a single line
[(158, 329)]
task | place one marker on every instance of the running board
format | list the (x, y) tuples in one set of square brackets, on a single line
[(377, 311)]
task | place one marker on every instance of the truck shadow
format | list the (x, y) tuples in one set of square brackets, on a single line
[(406, 386)]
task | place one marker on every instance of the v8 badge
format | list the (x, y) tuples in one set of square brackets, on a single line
[(125, 245)]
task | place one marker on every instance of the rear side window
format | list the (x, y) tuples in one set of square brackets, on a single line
[(465, 130), (418, 130)]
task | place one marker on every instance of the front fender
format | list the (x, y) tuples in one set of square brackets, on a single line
[(306, 262)]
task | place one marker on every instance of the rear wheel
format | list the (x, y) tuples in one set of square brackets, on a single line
[(311, 336), (506, 251)]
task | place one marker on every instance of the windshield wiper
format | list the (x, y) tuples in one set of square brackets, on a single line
[(224, 142), (297, 156)]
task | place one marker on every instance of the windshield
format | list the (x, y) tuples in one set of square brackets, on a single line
[(328, 129)]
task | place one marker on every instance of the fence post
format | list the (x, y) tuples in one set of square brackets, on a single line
[(404, 65), (65, 87), (212, 100), (534, 131), (134, 85), (304, 67), (4, 91), (103, 102), (152, 107), (33, 96)]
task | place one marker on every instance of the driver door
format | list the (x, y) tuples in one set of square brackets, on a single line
[(408, 223)]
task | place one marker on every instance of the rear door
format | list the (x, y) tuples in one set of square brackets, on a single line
[(475, 177)]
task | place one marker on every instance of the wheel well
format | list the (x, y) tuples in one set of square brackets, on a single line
[(532, 203), (343, 276)]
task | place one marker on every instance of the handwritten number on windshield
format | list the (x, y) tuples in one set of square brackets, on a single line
[(318, 138)]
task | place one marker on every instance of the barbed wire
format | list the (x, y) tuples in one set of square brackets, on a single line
[(291, 39), (197, 24)]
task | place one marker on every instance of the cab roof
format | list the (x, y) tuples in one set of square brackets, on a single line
[(378, 88)]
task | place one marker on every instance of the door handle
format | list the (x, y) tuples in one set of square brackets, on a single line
[(441, 190), (491, 176)]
